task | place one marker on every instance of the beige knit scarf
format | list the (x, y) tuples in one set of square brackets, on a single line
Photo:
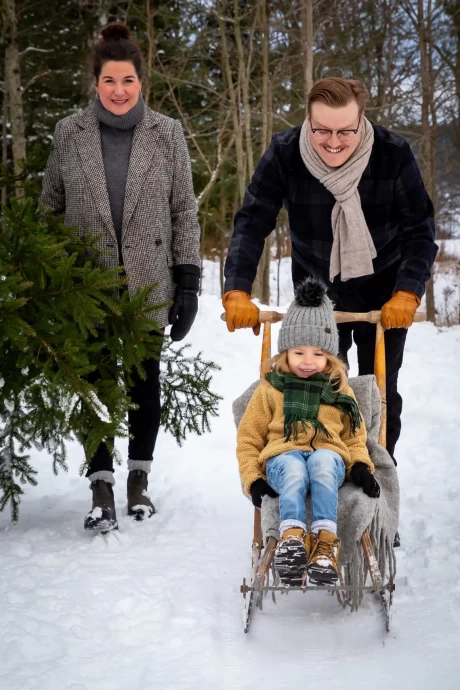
[(352, 247)]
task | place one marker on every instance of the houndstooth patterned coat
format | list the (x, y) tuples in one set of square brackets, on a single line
[(160, 226)]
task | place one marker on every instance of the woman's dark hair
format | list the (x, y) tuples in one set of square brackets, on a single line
[(116, 44)]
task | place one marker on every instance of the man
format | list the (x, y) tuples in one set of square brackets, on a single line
[(360, 219)]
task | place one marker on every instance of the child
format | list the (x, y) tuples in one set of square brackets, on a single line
[(302, 430)]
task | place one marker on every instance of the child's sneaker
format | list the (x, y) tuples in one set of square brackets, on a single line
[(291, 557), (323, 564)]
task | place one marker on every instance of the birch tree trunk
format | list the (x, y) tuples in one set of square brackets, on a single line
[(13, 84)]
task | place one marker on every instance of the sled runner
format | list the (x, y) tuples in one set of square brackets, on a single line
[(366, 526)]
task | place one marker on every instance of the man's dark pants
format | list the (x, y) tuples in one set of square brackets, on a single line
[(371, 293), (363, 335)]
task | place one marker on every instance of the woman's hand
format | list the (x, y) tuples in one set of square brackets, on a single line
[(184, 310), (361, 476)]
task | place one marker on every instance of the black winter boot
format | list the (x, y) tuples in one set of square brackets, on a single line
[(139, 503), (102, 517)]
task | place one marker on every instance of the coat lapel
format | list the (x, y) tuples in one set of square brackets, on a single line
[(88, 142), (143, 149)]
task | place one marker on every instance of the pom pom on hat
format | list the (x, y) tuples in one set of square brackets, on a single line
[(310, 292)]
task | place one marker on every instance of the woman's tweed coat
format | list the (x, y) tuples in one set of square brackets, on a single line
[(160, 226)]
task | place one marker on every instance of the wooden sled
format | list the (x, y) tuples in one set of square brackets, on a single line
[(262, 557)]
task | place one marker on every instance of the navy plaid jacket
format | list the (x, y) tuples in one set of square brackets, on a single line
[(398, 211)]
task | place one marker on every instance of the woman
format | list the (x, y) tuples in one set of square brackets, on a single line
[(122, 172)]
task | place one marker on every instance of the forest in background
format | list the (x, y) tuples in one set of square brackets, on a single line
[(235, 72)]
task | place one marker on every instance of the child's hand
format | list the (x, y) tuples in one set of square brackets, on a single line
[(260, 488), (361, 476)]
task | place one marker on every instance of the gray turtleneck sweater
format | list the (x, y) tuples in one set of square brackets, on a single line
[(116, 140)]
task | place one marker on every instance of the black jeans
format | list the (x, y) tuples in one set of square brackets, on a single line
[(372, 293), (143, 422), (364, 336)]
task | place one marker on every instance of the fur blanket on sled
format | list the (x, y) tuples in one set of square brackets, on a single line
[(356, 510)]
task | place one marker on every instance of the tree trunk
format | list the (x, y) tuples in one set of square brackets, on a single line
[(4, 143), (307, 41), (234, 105), (13, 84), (204, 221), (388, 83), (452, 8), (151, 52), (265, 76), (222, 243), (244, 76), (262, 282), (428, 135)]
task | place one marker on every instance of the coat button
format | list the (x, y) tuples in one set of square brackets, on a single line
[(158, 242)]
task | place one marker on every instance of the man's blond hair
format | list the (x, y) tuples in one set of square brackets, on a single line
[(336, 93)]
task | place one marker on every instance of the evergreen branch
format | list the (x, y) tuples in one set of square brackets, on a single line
[(187, 401)]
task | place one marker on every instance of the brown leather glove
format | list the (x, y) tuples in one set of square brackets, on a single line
[(399, 311), (240, 312)]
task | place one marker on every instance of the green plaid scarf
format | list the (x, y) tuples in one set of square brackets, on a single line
[(302, 398)]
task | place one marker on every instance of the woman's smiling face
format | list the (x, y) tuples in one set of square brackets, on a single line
[(118, 87)]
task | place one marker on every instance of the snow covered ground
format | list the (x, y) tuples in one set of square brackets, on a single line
[(157, 605)]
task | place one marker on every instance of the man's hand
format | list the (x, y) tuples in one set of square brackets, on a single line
[(240, 312), (399, 311)]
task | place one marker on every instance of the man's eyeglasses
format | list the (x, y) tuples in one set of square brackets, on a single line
[(342, 134)]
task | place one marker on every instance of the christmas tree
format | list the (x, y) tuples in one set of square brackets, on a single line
[(62, 317)]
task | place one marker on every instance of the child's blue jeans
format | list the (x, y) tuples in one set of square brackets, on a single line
[(293, 473)]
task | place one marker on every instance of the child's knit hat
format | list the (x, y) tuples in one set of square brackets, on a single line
[(309, 321)]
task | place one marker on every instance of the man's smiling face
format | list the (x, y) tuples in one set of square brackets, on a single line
[(334, 149)]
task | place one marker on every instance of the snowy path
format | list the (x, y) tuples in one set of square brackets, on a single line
[(158, 604)]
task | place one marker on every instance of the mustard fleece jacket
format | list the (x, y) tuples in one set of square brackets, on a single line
[(261, 435)]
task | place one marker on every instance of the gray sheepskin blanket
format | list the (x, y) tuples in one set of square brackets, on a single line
[(356, 510)]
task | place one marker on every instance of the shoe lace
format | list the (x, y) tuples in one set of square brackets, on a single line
[(323, 548)]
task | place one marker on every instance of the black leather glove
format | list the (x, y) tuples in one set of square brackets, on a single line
[(260, 488), (183, 311), (361, 476)]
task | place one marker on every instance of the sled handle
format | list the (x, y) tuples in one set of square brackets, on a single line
[(380, 372), (340, 316)]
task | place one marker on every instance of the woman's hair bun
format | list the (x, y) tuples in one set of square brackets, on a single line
[(114, 32), (310, 292)]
